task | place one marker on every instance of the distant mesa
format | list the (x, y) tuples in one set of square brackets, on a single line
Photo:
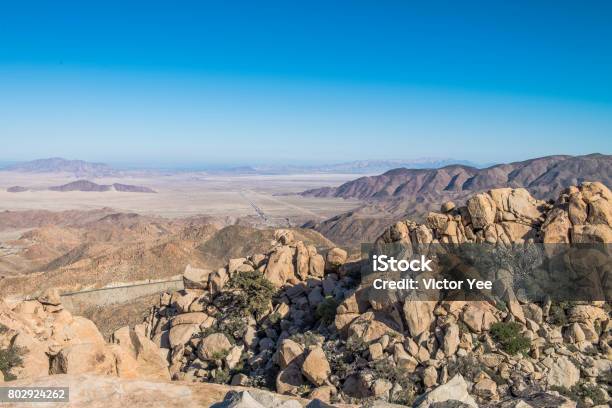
[(16, 189), (89, 186), (79, 168)]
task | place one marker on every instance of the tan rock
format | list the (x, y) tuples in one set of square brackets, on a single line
[(451, 339), (430, 376), (289, 380), (317, 265), (233, 357), (236, 263), (84, 358), (454, 390), (290, 351), (189, 318), (372, 326), (472, 316), (563, 373), (381, 387), (126, 364), (280, 266), (316, 367), (336, 257), (218, 279), (323, 393), (486, 388), (284, 236), (343, 321), (181, 334), (35, 361), (78, 330), (196, 278), (403, 359), (214, 346), (302, 260), (419, 315), (51, 297), (376, 351), (482, 210), (447, 207)]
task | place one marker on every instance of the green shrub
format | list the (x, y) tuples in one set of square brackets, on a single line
[(385, 369), (307, 339), (254, 294), (581, 391), (508, 335), (326, 310), (10, 358)]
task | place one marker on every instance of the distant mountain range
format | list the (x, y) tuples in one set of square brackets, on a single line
[(412, 193), (543, 176), (356, 167), (78, 168), (83, 169)]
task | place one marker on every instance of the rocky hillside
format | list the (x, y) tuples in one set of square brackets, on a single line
[(76, 250), (296, 319), (543, 177), (412, 193)]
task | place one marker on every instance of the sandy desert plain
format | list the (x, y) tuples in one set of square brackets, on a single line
[(185, 194)]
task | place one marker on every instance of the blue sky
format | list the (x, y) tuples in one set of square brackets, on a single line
[(262, 82)]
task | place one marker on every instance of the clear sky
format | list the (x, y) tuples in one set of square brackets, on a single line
[(166, 82)]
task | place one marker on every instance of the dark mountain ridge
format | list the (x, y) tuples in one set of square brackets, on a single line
[(544, 176), (413, 193), (88, 186)]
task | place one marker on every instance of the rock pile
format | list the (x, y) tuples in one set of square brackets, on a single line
[(319, 336)]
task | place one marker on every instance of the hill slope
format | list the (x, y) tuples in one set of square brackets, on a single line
[(412, 193)]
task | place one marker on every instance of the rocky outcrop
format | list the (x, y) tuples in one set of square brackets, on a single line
[(580, 215), (47, 339)]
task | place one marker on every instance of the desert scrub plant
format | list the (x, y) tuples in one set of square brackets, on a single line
[(469, 367), (583, 391), (10, 358), (387, 370), (326, 310), (307, 339), (254, 292), (509, 337)]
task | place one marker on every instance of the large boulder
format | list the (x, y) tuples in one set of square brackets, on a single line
[(563, 373), (147, 355), (337, 257), (280, 266), (196, 278), (84, 358), (454, 390), (289, 380), (35, 361), (419, 315), (290, 351), (481, 208), (316, 367), (214, 347)]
